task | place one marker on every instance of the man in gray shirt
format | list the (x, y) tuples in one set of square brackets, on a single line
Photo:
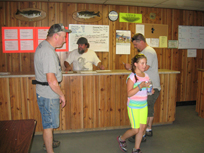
[(48, 75)]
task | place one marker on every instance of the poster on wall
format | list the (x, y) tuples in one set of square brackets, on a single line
[(25, 39), (123, 39), (130, 17), (97, 36)]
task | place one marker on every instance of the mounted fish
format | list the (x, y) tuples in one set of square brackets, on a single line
[(87, 16), (30, 14)]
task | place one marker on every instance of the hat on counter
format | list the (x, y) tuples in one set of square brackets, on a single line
[(82, 40), (57, 28)]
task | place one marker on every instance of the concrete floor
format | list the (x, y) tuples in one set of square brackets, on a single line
[(185, 135)]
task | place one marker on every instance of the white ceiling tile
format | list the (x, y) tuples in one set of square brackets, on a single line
[(177, 4)]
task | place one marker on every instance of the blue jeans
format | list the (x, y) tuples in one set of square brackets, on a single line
[(49, 109)]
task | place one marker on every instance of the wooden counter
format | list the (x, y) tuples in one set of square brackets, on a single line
[(200, 94), (95, 101)]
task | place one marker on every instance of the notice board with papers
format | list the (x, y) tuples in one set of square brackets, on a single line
[(155, 32)]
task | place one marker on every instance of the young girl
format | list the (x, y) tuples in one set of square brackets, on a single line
[(137, 83)]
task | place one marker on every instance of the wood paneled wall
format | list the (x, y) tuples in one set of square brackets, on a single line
[(200, 94), (173, 59)]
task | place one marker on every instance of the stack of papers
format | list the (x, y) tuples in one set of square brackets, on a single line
[(88, 72), (4, 73), (103, 71)]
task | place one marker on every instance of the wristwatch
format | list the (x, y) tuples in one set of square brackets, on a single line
[(139, 88)]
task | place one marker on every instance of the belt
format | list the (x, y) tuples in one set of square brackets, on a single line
[(42, 83)]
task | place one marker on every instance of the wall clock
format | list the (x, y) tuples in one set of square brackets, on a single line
[(113, 15)]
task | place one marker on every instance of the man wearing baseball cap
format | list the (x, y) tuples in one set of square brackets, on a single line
[(82, 58), (48, 76)]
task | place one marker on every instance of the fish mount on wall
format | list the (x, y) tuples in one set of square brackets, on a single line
[(30, 14), (87, 16)]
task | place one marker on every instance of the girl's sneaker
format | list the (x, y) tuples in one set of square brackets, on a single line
[(136, 150), (122, 144)]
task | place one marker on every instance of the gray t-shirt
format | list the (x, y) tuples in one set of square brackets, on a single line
[(46, 61), (152, 61), (83, 61)]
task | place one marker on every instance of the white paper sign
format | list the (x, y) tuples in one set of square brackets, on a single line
[(97, 36), (11, 45), (42, 33), (26, 45), (26, 33), (190, 37), (191, 52), (140, 28), (10, 34)]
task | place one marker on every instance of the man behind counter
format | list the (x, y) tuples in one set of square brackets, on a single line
[(82, 58)]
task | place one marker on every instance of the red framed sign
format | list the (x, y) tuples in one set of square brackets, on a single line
[(41, 34), (25, 39)]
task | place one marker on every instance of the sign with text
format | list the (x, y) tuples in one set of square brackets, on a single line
[(130, 17), (97, 36), (190, 37)]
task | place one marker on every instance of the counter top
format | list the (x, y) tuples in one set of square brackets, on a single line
[(80, 73), (200, 69)]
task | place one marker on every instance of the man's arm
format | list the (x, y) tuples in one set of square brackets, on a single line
[(100, 66), (127, 66), (147, 67), (68, 66), (53, 83)]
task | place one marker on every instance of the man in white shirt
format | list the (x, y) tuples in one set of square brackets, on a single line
[(82, 58)]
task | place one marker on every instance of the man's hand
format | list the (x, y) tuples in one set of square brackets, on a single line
[(68, 69), (62, 101), (127, 66), (53, 83), (67, 66), (152, 90), (101, 67)]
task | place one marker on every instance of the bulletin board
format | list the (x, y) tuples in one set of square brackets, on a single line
[(155, 31), (159, 30), (25, 39)]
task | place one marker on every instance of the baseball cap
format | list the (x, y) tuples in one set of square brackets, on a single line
[(82, 40), (57, 28)]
